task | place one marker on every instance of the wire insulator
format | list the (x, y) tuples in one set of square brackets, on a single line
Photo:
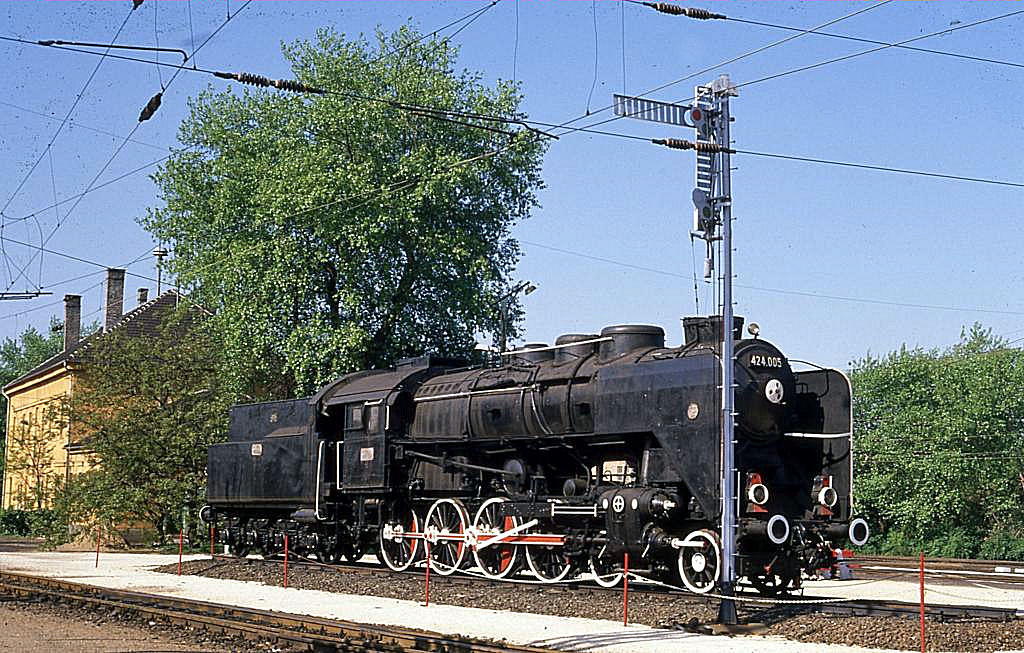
[(700, 146), (259, 80), (296, 86), (666, 8), (151, 107), (689, 12), (703, 14)]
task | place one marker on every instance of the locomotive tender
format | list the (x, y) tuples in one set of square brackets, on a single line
[(561, 460)]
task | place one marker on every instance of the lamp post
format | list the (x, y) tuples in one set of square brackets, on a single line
[(524, 287)]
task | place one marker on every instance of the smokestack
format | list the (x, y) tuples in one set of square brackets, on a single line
[(115, 298), (72, 321), (143, 296)]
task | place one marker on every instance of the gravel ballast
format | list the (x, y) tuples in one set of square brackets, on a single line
[(645, 608)]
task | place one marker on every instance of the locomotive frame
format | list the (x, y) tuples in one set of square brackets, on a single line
[(559, 461)]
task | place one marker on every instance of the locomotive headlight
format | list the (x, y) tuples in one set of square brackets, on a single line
[(758, 494), (828, 497), (773, 390)]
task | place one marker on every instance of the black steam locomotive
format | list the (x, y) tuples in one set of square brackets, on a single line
[(560, 460)]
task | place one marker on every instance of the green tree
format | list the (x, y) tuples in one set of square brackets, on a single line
[(146, 408), (332, 233), (32, 455), (21, 354), (940, 447)]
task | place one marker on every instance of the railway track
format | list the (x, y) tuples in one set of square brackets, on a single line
[(1001, 571), (750, 609), (320, 635)]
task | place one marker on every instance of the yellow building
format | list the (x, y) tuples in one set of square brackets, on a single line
[(41, 452)]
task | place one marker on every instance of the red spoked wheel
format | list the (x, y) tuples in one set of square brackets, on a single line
[(399, 537), (548, 562), (495, 560), (445, 532)]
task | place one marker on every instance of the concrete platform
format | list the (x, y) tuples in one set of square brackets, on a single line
[(133, 572)]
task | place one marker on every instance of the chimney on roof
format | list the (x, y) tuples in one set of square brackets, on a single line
[(143, 296), (115, 298), (72, 321)]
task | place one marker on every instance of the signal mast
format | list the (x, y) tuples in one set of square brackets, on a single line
[(712, 222)]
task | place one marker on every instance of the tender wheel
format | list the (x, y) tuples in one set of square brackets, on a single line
[(354, 550), (327, 550), (700, 561), (548, 563), (395, 548), (444, 529), (769, 584), (497, 560), (605, 570)]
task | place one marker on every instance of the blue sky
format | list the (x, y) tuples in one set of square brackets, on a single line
[(809, 238)]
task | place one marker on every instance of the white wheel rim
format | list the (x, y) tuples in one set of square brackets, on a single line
[(486, 532), (688, 558), (534, 550), (443, 568), (391, 531), (607, 580)]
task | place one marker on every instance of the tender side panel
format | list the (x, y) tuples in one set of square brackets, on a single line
[(254, 421), (269, 471)]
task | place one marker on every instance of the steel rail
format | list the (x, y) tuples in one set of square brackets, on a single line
[(853, 607), (322, 634)]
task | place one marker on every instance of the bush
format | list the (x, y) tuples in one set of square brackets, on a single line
[(27, 523), (1004, 543)]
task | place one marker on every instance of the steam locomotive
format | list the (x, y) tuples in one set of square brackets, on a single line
[(560, 460)]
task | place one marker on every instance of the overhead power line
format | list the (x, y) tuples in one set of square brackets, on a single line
[(703, 14), (807, 67), (296, 86), (366, 197), (78, 98), (77, 124), (867, 166), (781, 291), (726, 62), (147, 112)]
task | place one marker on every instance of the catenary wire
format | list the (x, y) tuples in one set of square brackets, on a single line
[(422, 110), (367, 197), (847, 164), (76, 124), (847, 37), (726, 62), (67, 115), (799, 69), (799, 293), (117, 151)]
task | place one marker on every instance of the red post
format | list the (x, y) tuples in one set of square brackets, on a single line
[(427, 587), (181, 547), (286, 559), (922, 603), (99, 531), (212, 534), (625, 588)]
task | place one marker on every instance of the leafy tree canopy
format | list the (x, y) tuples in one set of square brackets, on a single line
[(940, 447), (332, 233), (146, 408)]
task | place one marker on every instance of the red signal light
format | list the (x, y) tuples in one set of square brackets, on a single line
[(696, 115)]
